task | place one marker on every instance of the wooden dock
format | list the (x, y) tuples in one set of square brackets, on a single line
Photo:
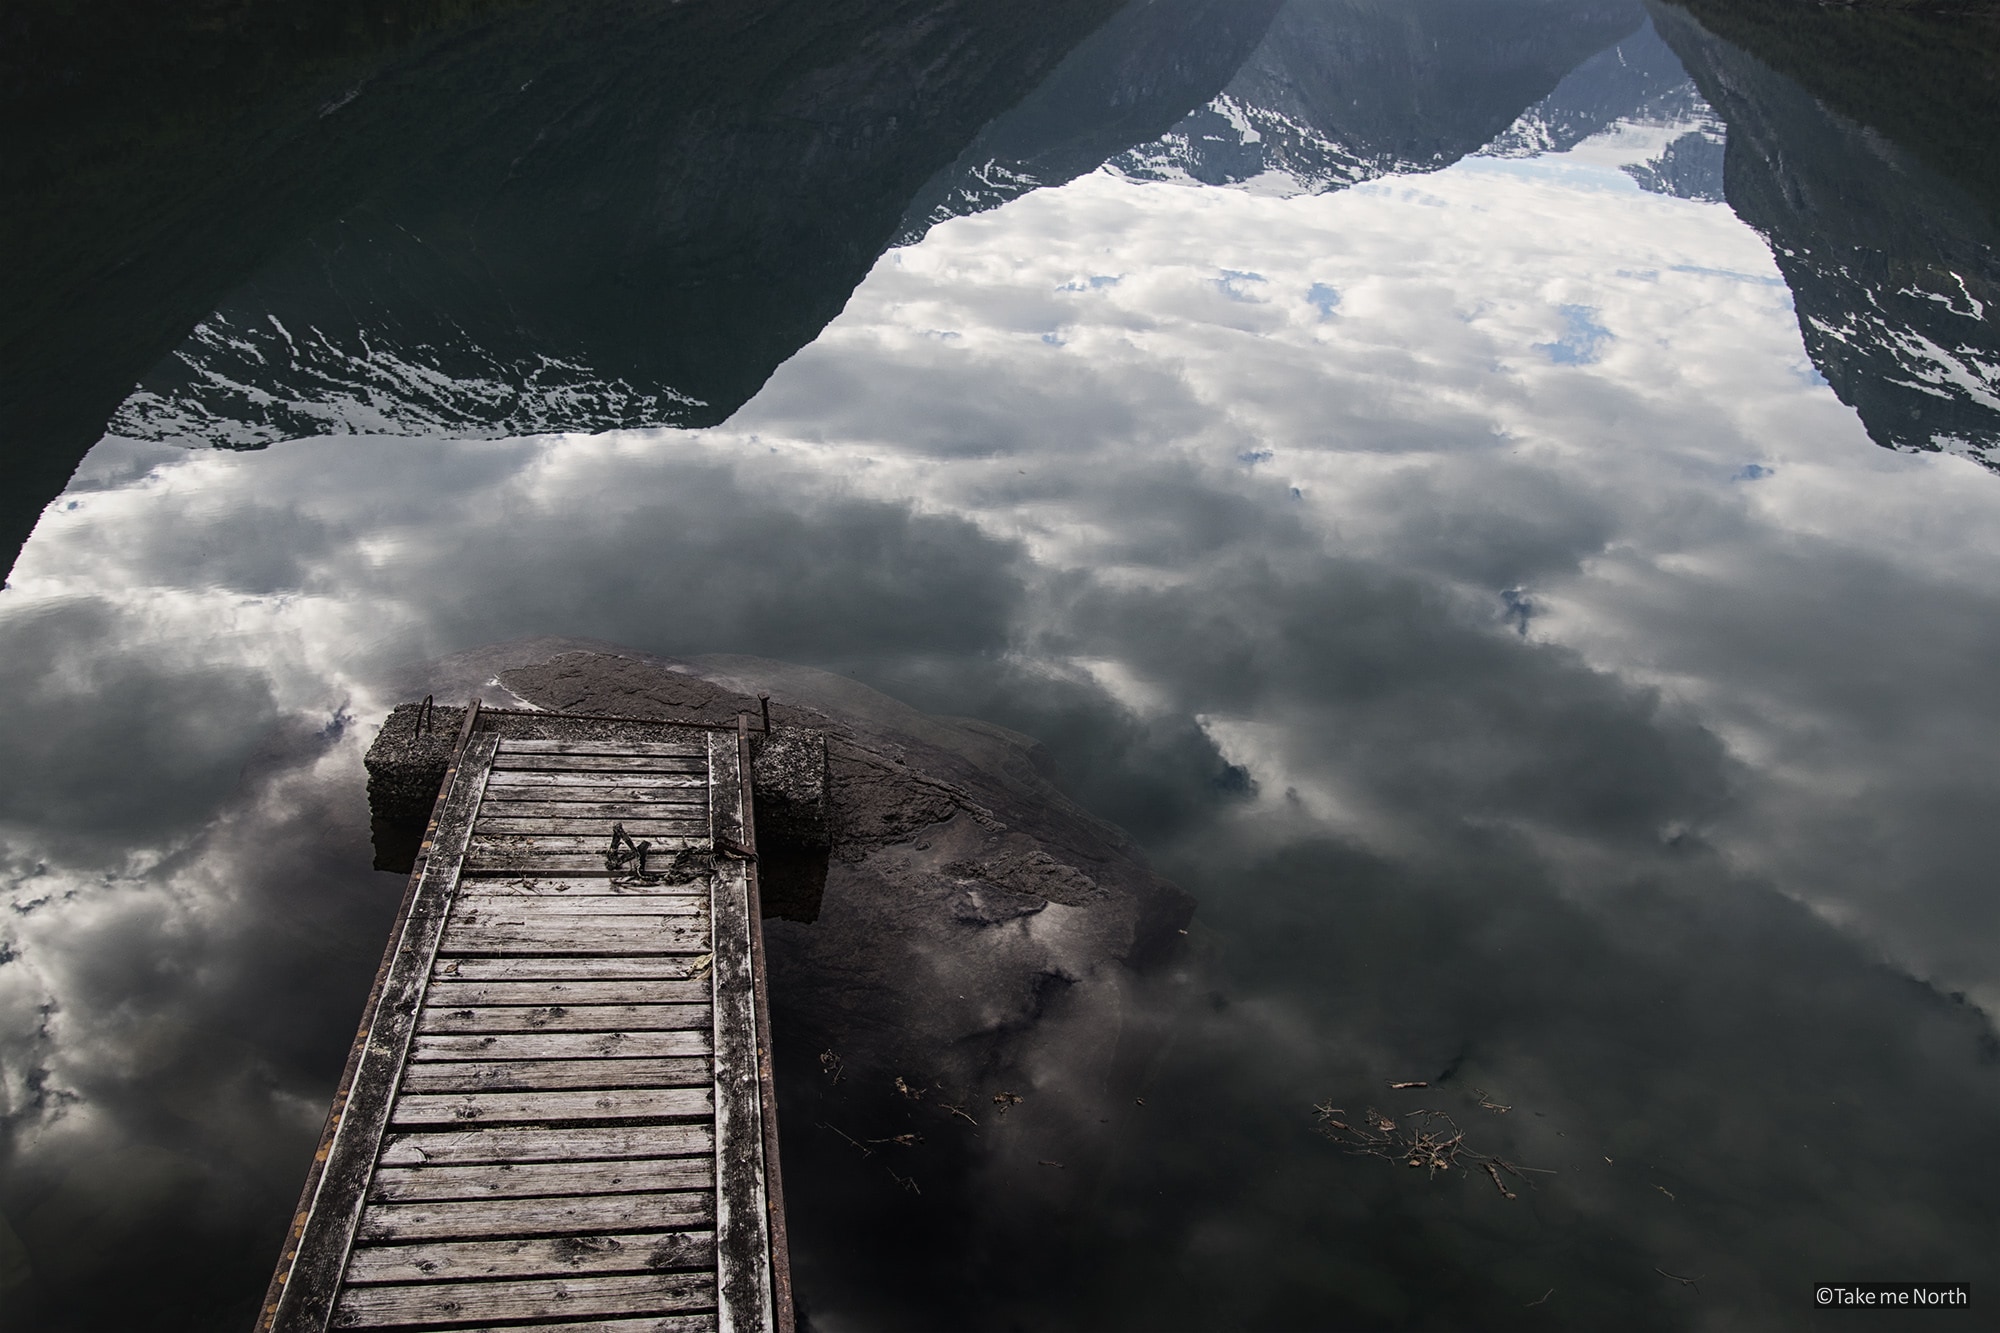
[(558, 1113)]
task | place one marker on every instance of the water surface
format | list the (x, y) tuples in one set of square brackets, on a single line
[(1481, 544)]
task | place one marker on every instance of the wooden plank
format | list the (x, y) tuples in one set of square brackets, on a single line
[(632, 1252), (694, 747), (566, 1018), (570, 1143), (659, 822), (516, 1180), (614, 935), (744, 1292), (561, 886), (321, 1254), (476, 905), (574, 844), (510, 761), (467, 1219), (565, 863), (562, 1046), (703, 1322), (527, 1298), (551, 1075), (667, 803), (537, 786), (451, 994), (502, 1108), (575, 968)]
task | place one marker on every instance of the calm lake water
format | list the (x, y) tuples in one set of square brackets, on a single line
[(1493, 494)]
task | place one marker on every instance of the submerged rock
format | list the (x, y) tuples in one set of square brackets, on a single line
[(970, 926)]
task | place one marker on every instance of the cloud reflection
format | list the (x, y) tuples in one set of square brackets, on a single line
[(1501, 727)]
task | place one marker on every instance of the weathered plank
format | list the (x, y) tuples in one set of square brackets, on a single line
[(688, 749), (476, 905), (659, 822), (449, 994), (562, 1045), (615, 935), (566, 1018), (633, 1252), (554, 1075), (558, 968), (574, 844), (531, 786), (570, 1143), (537, 1297), (461, 1302), (466, 1219), (742, 1229), (313, 1279), (704, 1322), (515, 1180), (511, 761), (667, 803), (592, 886), (503, 1108), (577, 864)]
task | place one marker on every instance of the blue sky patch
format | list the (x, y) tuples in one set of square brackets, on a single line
[(1582, 341), (1326, 298), (1236, 284)]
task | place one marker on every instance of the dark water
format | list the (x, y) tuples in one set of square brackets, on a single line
[(1494, 494)]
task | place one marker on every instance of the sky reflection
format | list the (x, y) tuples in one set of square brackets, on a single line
[(1606, 713)]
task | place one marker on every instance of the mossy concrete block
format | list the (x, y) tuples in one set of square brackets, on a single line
[(406, 764), (789, 770)]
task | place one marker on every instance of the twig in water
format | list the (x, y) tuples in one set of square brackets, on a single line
[(1684, 1281), (859, 1146), (1006, 1100), (830, 1064), (906, 1140), (1055, 1164), (1543, 1300), (1426, 1138), (1669, 1193), (958, 1111), (914, 1094), (1419, 1083), (907, 1182)]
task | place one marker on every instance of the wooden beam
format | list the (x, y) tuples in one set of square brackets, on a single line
[(312, 1281), (742, 1236)]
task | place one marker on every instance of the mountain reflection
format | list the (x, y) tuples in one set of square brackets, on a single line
[(528, 217), (1892, 264), (585, 219)]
